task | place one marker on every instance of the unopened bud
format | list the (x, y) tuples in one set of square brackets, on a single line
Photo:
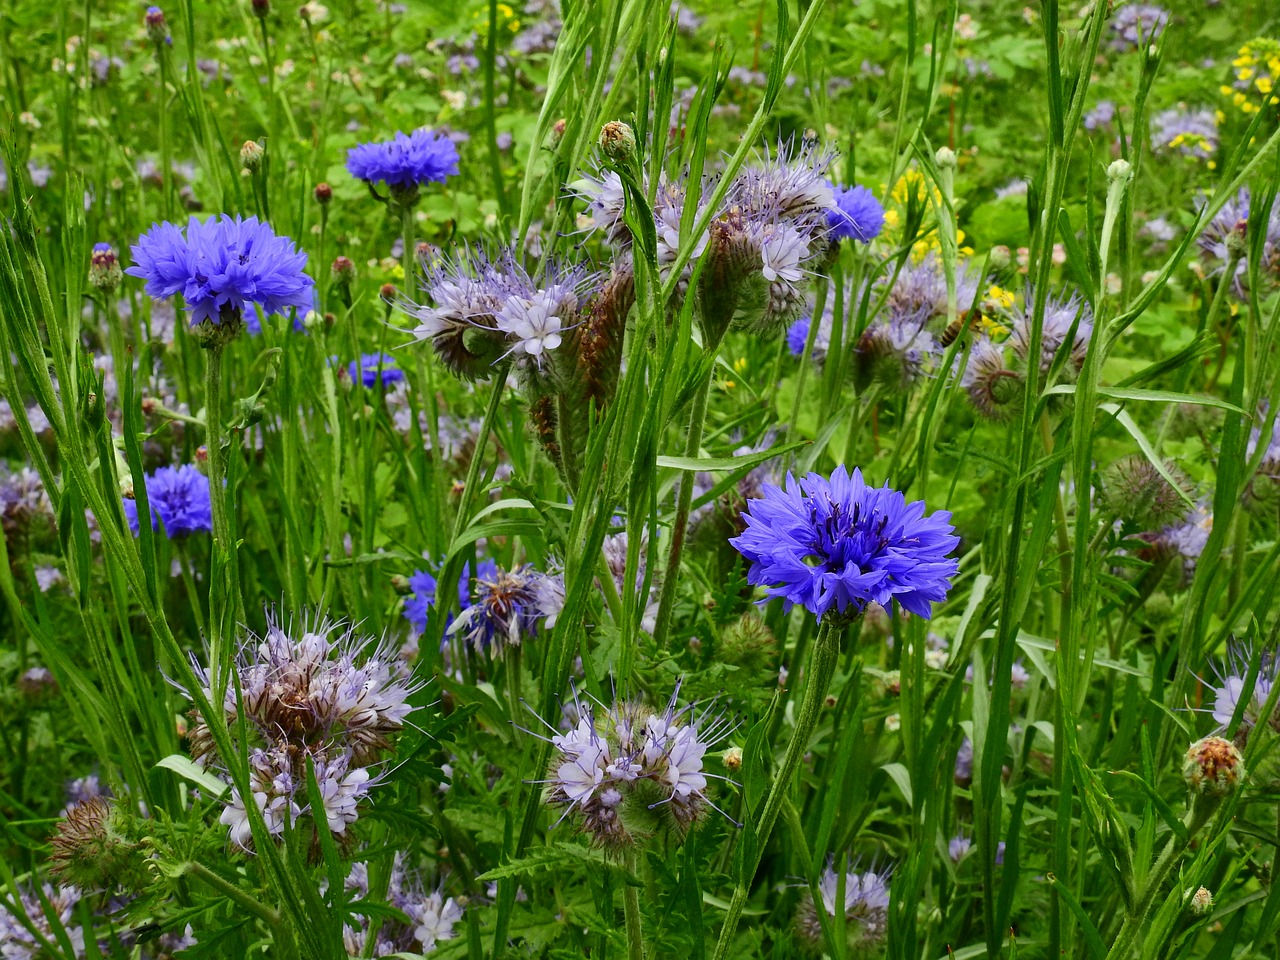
[(387, 292), (157, 28), (893, 683), (344, 270), (104, 268), (261, 8), (1238, 240), (324, 193), (1120, 170), (945, 158), (202, 454), (618, 142), (1213, 767), (400, 583), (251, 155), (733, 758), (91, 850), (1201, 902), (37, 684), (557, 132), (1000, 257)]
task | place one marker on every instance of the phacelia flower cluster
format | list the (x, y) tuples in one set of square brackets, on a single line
[(866, 908), (1136, 25), (837, 544), (432, 916), (628, 772), (1191, 132), (220, 265), (178, 498), (328, 696), (1232, 675)]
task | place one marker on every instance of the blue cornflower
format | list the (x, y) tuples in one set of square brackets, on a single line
[(405, 163), (798, 336), (220, 265), (839, 544), (857, 215), (423, 597), (506, 609), (179, 500), (374, 368)]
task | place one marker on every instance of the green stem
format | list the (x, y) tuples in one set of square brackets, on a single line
[(697, 418), (224, 579), (631, 910), (407, 256), (826, 653), (233, 893)]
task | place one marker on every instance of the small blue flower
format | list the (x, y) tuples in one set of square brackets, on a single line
[(405, 162), (798, 335), (423, 597), (375, 368), (839, 544), (857, 215), (220, 265), (179, 501)]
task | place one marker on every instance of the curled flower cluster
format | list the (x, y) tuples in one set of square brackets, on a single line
[(866, 908), (220, 265), (179, 501), (431, 916), (838, 544), (1231, 223), (328, 697), (632, 772)]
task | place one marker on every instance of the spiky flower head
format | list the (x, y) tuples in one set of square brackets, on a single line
[(92, 848), (505, 611), (1063, 318), (837, 544), (405, 163), (866, 908), (894, 354), (220, 265), (627, 771), (1135, 491), (749, 645), (179, 501), (1213, 768)]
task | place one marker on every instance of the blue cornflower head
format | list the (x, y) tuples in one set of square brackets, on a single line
[(423, 592), (179, 501), (838, 544), (405, 162), (375, 368), (220, 265), (798, 336), (506, 609), (857, 215)]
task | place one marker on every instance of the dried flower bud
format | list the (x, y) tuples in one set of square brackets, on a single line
[(1213, 768), (324, 193), (251, 154), (104, 268), (1201, 902), (618, 142)]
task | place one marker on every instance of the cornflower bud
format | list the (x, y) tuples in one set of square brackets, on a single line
[(945, 158), (157, 28), (261, 8), (344, 270), (1000, 258), (1213, 767), (618, 141), (251, 155), (387, 292), (324, 193), (104, 268)]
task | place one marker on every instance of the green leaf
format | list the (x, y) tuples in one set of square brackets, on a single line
[(714, 464), (201, 777)]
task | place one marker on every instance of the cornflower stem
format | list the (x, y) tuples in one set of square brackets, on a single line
[(631, 911), (822, 667), (229, 890), (224, 579), (693, 441), (166, 151)]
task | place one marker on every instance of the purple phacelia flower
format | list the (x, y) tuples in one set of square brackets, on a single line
[(1190, 132), (837, 544), (221, 264), (1137, 25)]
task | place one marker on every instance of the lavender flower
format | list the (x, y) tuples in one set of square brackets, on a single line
[(838, 544), (1100, 116), (894, 354), (19, 943), (375, 369), (1192, 133), (179, 500), (220, 265), (857, 215), (1232, 674), (405, 163), (1138, 25)]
